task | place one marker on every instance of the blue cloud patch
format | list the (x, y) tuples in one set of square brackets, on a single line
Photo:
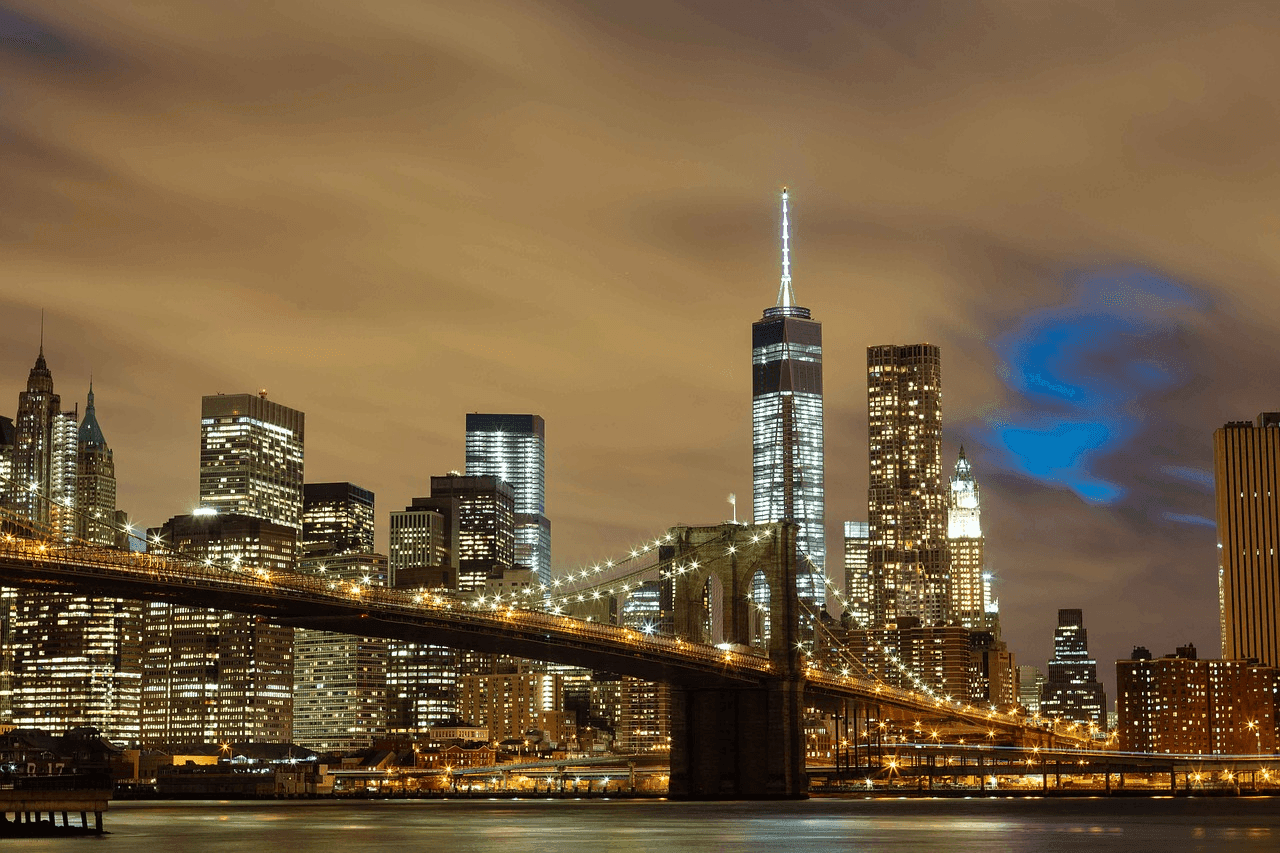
[(1081, 373)]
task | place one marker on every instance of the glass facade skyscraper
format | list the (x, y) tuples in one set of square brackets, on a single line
[(857, 572), (337, 518), (513, 448), (786, 426)]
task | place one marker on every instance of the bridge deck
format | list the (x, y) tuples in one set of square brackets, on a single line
[(309, 601)]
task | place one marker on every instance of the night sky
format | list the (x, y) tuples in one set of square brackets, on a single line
[(389, 214)]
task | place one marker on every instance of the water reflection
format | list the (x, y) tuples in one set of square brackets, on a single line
[(460, 826)]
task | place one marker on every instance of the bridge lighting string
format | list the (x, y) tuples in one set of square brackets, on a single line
[(129, 531), (884, 650), (842, 650), (573, 580), (594, 593), (894, 659)]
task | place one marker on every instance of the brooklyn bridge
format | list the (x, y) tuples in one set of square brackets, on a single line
[(738, 698)]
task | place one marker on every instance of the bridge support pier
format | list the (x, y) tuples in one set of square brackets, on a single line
[(738, 743)]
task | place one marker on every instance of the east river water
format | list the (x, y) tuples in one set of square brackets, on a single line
[(620, 826)]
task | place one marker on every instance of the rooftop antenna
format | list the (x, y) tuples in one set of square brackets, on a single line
[(42, 332), (786, 297)]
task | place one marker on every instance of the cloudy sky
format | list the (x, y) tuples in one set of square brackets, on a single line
[(392, 213)]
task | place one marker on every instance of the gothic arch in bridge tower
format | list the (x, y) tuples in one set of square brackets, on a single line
[(739, 560), (713, 609), (761, 601)]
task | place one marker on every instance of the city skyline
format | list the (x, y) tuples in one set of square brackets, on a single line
[(620, 268)]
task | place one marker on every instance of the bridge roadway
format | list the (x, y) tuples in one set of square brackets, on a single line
[(308, 601)]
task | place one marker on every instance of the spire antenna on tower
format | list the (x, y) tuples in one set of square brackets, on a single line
[(41, 331), (786, 297)]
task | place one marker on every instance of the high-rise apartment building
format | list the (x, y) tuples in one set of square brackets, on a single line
[(209, 675), (906, 498), (337, 518), (251, 458), (513, 448), (857, 572), (1180, 704), (964, 535), (993, 672), (1072, 691), (1246, 462), (507, 703), (786, 426), (939, 656), (340, 680)]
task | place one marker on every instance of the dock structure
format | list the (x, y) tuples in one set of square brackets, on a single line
[(36, 810)]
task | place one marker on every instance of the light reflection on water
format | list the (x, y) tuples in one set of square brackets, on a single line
[(461, 826)]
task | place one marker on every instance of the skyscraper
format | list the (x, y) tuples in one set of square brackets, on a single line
[(73, 660), (44, 456), (906, 499), (95, 481), (421, 540), (209, 675), (251, 458), (482, 512), (337, 518), (340, 680), (1072, 690), (786, 425), (964, 535), (477, 515), (6, 459), (513, 448), (857, 572), (1246, 461)]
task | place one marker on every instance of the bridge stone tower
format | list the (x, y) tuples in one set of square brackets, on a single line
[(738, 742)]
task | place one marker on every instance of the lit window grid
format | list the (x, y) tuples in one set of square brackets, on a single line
[(339, 690), (1247, 497), (859, 588), (519, 458), (76, 662), (251, 467), (338, 525), (210, 675), (803, 455)]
